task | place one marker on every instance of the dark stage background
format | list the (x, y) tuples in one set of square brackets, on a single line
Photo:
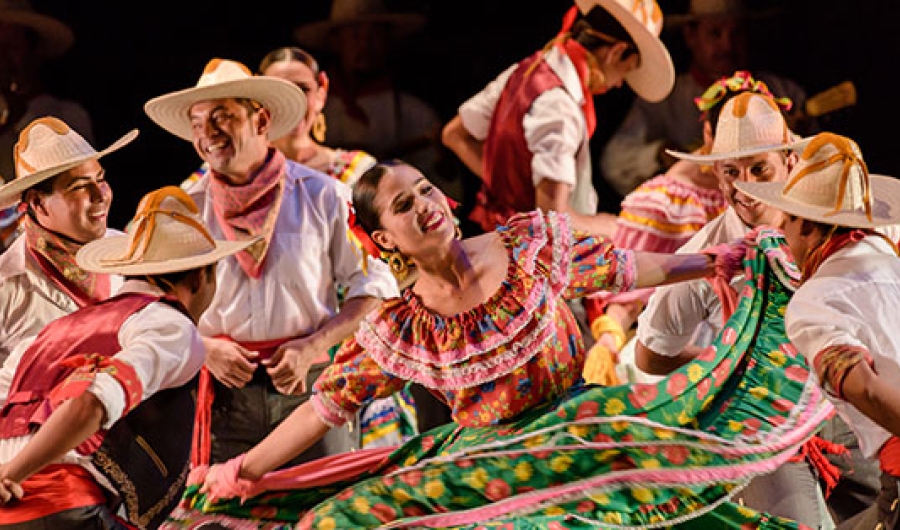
[(126, 53)]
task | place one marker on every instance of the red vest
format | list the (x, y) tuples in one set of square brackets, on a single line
[(91, 330), (508, 187), (145, 455)]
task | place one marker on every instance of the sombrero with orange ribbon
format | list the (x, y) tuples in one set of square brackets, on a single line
[(166, 235), (831, 184), (46, 148)]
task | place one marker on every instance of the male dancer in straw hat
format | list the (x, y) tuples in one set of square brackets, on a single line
[(715, 33), (843, 317), (526, 134), (276, 311), (100, 411), (752, 143), (29, 40), (62, 188)]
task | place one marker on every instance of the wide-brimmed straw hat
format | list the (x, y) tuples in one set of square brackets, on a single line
[(654, 78), (54, 38), (349, 12), (717, 8), (221, 79), (831, 184), (749, 124), (166, 235), (46, 148)]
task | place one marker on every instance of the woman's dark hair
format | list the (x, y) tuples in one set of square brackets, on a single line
[(364, 191), (290, 54), (599, 20)]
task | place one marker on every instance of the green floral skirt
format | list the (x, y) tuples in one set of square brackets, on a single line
[(671, 454)]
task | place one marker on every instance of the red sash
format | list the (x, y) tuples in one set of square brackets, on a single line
[(53, 489), (889, 457)]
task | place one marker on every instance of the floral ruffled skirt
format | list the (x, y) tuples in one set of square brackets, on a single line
[(631, 456)]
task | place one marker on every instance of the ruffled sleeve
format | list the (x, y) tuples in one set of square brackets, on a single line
[(575, 263), (353, 380)]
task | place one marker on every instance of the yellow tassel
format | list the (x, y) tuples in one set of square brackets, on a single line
[(600, 366), (606, 324), (600, 363)]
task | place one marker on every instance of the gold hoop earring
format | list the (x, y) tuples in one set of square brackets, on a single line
[(398, 264), (459, 234), (319, 127)]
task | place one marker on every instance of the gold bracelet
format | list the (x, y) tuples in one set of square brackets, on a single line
[(606, 324)]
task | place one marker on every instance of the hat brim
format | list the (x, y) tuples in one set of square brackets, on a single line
[(55, 37), (678, 20), (654, 78), (885, 203), (316, 34), (10, 193), (796, 145), (285, 100), (99, 256)]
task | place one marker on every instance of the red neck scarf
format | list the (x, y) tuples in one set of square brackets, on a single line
[(834, 243), (56, 256), (250, 210), (829, 246), (579, 57)]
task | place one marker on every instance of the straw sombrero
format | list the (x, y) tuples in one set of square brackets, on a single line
[(46, 148), (348, 12), (223, 79), (749, 124), (717, 8), (654, 78), (166, 235), (831, 184), (54, 37)]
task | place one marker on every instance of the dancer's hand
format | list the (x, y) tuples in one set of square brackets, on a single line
[(222, 481), (728, 258)]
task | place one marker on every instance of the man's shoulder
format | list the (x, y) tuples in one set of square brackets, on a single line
[(313, 181), (13, 260), (723, 229)]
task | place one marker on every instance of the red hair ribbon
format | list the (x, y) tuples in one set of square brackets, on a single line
[(357, 234), (568, 20)]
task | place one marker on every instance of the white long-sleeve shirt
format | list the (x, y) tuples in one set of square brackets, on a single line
[(554, 127), (853, 299), (162, 345), (309, 253)]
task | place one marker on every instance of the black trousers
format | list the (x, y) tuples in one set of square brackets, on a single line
[(884, 513), (242, 417), (89, 518)]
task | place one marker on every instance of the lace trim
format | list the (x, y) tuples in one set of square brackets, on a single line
[(486, 350), (772, 243), (469, 347), (489, 368), (560, 266), (328, 411)]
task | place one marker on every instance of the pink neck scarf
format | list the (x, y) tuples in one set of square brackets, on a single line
[(250, 210)]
